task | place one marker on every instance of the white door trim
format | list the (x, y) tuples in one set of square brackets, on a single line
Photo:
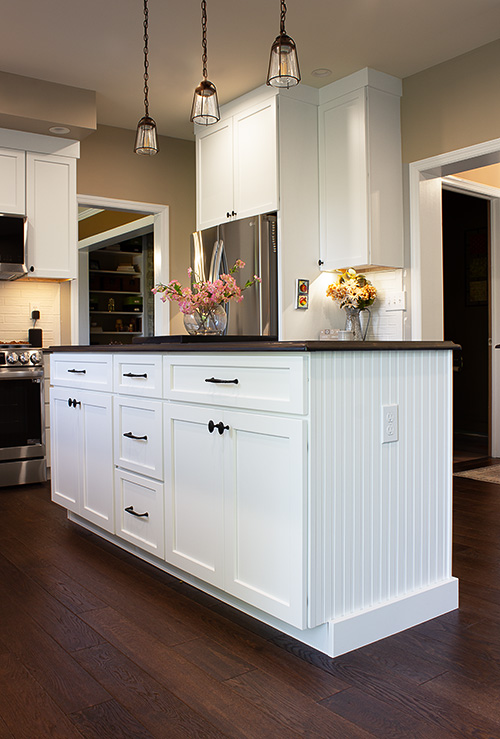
[(460, 160), (160, 215), (442, 167)]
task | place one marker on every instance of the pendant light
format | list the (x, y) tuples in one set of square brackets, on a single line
[(146, 141), (283, 63), (205, 108)]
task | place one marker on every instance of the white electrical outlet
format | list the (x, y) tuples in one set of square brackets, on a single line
[(390, 423), (396, 300), (34, 306)]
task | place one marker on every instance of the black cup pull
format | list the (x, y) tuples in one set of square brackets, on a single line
[(78, 372), (131, 374), (130, 435), (219, 426), (130, 510), (216, 381)]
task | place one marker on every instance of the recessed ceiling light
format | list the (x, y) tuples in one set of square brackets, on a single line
[(321, 72), (59, 129)]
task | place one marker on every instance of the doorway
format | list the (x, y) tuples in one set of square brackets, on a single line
[(466, 317)]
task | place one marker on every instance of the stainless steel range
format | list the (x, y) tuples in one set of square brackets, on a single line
[(22, 422)]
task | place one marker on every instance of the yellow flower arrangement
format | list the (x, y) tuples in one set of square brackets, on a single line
[(352, 290)]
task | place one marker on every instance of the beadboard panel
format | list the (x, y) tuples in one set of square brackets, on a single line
[(385, 506)]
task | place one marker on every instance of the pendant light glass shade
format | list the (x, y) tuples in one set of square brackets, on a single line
[(205, 108), (283, 68), (146, 141), (283, 63)]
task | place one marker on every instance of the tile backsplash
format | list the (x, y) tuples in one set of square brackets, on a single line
[(15, 312)]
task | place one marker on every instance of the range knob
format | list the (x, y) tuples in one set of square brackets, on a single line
[(24, 357), (12, 358), (36, 357)]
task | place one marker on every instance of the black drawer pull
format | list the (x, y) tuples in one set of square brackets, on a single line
[(130, 435), (73, 402), (219, 426), (131, 374), (78, 372), (130, 510), (216, 381)]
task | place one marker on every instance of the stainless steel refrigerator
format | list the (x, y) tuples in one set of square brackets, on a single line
[(254, 241)]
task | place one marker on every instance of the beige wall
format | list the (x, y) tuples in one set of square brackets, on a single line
[(109, 168), (452, 105)]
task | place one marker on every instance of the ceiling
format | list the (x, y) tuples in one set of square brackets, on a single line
[(97, 45)]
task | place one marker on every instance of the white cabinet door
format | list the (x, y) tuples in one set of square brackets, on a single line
[(194, 535), (52, 216), (214, 174), (96, 503), (12, 181), (360, 175), (237, 165), (343, 182), (66, 446), (265, 484), (82, 454), (256, 160)]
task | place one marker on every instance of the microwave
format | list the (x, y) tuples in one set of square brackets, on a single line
[(12, 246)]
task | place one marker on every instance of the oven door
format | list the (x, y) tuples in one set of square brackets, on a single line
[(22, 433)]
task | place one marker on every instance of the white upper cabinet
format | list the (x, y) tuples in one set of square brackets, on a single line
[(360, 173), (12, 181), (236, 161), (52, 216)]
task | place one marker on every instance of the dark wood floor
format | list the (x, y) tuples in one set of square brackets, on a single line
[(95, 643)]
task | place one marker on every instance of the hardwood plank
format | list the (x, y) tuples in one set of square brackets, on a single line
[(26, 709), (158, 708), (210, 698), (380, 719), (55, 670), (66, 628), (292, 708), (214, 659), (478, 697), (109, 721)]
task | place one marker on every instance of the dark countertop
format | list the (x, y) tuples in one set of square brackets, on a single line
[(262, 346)]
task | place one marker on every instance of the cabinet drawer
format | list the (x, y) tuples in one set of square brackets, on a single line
[(92, 371), (138, 375), (252, 381), (139, 511), (138, 435)]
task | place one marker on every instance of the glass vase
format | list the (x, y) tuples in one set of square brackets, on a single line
[(353, 322), (211, 322)]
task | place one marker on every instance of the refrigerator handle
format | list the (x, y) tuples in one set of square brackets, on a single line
[(214, 263), (222, 267)]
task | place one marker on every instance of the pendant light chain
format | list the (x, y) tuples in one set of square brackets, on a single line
[(204, 57), (146, 59), (146, 139), (283, 16)]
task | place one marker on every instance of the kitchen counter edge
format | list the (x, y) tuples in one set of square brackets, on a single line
[(262, 346)]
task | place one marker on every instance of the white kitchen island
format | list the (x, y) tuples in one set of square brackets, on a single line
[(308, 484)]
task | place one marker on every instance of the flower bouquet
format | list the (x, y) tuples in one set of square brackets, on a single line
[(354, 293), (203, 303)]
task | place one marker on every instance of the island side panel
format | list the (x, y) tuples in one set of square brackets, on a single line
[(382, 510)]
